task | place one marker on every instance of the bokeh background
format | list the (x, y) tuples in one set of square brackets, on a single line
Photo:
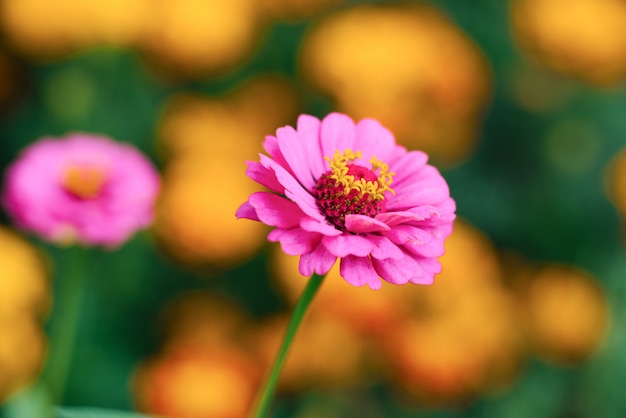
[(520, 103)]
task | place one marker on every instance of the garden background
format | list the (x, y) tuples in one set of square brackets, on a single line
[(519, 103)]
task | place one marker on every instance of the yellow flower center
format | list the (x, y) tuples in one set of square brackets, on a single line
[(84, 182)]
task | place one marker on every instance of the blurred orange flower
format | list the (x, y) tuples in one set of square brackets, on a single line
[(203, 369), (188, 382), (22, 352), (368, 313), (565, 313), (207, 142), (582, 38), (313, 358), (453, 346), (440, 344), (408, 67)]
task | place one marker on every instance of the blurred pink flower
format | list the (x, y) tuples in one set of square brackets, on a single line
[(345, 190), (82, 187)]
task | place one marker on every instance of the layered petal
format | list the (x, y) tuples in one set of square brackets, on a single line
[(374, 140), (309, 133), (293, 189), (401, 271), (361, 224), (402, 239), (275, 210), (419, 193), (348, 244), (318, 261), (296, 155), (264, 176), (295, 241), (338, 133), (322, 227), (405, 234), (408, 166), (359, 271), (384, 248), (247, 211)]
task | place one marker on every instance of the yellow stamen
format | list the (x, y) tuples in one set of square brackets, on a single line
[(375, 189), (83, 182)]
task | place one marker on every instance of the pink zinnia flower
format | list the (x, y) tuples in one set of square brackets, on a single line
[(83, 188), (340, 190)]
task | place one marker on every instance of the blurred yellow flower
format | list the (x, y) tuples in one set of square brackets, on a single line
[(582, 38), (198, 37), (195, 219), (25, 299), (24, 282), (565, 313), (207, 142), (46, 29), (408, 67)]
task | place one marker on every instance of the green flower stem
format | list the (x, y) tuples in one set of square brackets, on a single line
[(68, 304), (267, 393)]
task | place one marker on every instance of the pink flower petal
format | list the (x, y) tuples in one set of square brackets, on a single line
[(246, 211), (408, 166), (433, 248), (447, 206), (322, 227), (295, 152), (293, 189), (426, 192), (273, 150), (411, 216), (384, 248), (403, 234), (362, 224), (358, 271), (36, 197), (295, 241), (400, 245), (347, 244), (400, 271), (374, 140), (318, 261), (338, 133), (276, 210), (309, 133), (431, 266), (426, 280), (264, 176)]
